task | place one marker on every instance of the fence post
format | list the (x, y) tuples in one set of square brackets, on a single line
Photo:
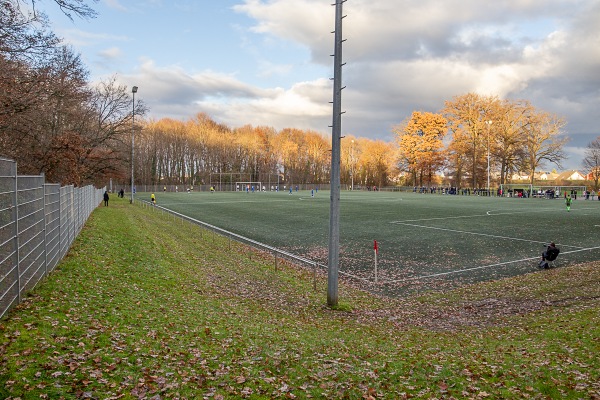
[(375, 250), (315, 276), (59, 224), (45, 231), (275, 253), (16, 231)]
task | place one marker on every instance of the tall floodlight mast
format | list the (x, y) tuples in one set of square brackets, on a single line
[(334, 210), (133, 92)]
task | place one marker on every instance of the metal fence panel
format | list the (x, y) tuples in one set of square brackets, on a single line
[(30, 204), (38, 224), (52, 226), (65, 207), (9, 273)]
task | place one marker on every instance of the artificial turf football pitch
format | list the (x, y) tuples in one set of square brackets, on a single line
[(425, 241)]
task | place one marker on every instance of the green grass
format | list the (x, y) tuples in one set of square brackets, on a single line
[(419, 236), (145, 306)]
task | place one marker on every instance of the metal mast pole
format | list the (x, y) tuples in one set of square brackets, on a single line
[(133, 91), (489, 125), (352, 166), (334, 213)]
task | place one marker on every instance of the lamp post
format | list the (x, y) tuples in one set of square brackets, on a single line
[(133, 91), (352, 165), (489, 125)]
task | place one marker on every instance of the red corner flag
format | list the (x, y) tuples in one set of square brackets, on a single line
[(375, 247)]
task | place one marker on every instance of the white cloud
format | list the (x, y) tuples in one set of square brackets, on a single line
[(172, 91), (295, 107), (111, 53), (81, 38), (115, 4), (268, 69)]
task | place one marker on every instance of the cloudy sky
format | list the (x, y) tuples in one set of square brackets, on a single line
[(268, 62)]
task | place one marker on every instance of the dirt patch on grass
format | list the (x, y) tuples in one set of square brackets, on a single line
[(495, 304)]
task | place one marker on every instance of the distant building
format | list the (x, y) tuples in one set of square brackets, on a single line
[(570, 175), (519, 176), (545, 176)]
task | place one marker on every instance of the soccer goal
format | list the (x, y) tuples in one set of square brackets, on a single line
[(516, 190), (249, 186)]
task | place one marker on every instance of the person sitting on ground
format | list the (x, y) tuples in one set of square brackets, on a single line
[(550, 254)]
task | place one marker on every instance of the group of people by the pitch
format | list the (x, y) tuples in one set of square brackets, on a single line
[(451, 190)]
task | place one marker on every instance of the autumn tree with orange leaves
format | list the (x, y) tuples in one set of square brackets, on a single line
[(467, 116), (193, 152), (421, 147), (513, 134)]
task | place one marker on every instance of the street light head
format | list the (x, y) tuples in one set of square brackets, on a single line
[(134, 89)]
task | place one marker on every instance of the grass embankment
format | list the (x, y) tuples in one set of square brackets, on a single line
[(145, 306)]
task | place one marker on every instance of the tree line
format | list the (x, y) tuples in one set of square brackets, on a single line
[(473, 138), (176, 152)]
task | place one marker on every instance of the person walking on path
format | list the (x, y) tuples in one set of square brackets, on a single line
[(106, 198)]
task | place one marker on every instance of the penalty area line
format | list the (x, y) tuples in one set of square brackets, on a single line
[(416, 278), (479, 234)]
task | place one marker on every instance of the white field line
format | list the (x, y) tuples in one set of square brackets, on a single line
[(481, 267), (200, 203), (490, 213), (353, 276), (480, 234)]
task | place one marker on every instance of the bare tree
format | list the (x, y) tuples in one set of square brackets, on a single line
[(591, 161), (70, 8), (105, 131), (543, 141), (23, 35), (24, 29)]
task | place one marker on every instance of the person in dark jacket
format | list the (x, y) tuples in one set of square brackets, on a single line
[(105, 198), (550, 254)]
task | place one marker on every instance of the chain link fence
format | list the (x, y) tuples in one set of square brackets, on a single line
[(38, 224)]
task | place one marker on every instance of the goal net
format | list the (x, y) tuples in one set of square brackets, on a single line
[(249, 187), (516, 190)]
